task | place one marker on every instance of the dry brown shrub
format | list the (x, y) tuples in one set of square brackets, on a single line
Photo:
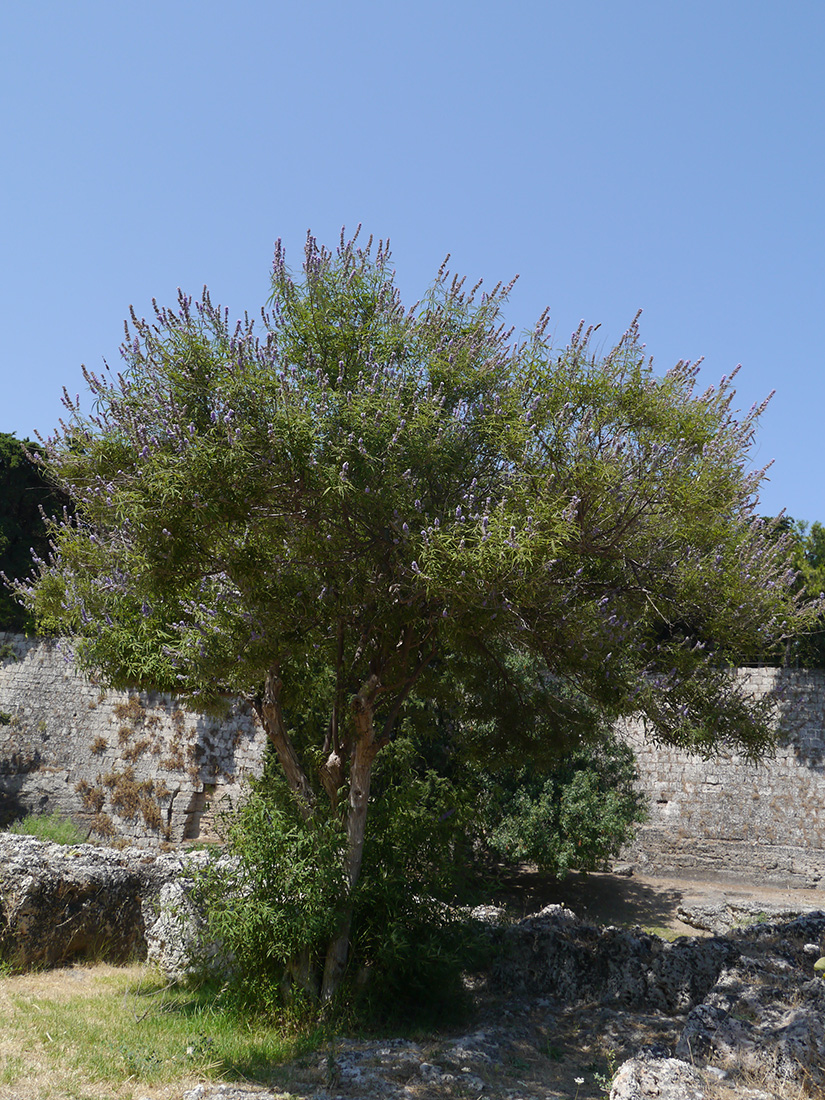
[(174, 762), (151, 814), (134, 751), (102, 825), (131, 710), (93, 797)]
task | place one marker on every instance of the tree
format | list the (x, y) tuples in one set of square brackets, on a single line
[(808, 558), (23, 493), (326, 512)]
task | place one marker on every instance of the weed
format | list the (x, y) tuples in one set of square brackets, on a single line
[(49, 827), (127, 792), (151, 813), (174, 762), (99, 745), (131, 711), (605, 1080), (747, 920), (138, 749), (93, 797), (103, 826)]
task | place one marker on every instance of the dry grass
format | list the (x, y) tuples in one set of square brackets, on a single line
[(102, 1032)]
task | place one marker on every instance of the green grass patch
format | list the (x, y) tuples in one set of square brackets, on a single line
[(49, 827), (663, 932), (100, 1026)]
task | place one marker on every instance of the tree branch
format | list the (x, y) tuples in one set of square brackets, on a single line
[(268, 708)]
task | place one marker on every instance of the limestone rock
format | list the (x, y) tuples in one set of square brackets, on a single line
[(175, 928), (646, 1078), (554, 953), (765, 1014), (728, 914), (61, 902)]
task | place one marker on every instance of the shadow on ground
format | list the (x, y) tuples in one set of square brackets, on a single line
[(601, 898), (650, 902)]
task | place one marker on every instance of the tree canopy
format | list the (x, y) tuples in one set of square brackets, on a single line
[(327, 508), (23, 493), (808, 558)]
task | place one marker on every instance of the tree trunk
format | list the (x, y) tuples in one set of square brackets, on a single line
[(364, 754), (300, 973), (268, 709)]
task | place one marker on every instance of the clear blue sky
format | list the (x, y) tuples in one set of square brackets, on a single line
[(616, 154)]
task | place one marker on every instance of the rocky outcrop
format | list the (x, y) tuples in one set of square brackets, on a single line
[(63, 902), (748, 1003), (766, 1013), (664, 1078), (555, 953), (652, 1076), (728, 914)]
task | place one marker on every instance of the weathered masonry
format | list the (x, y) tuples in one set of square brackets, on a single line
[(143, 767), (743, 820), (132, 765)]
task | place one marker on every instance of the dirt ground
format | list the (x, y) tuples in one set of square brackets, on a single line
[(651, 902), (541, 1051)]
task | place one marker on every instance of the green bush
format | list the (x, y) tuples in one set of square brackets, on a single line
[(281, 904), (49, 827), (24, 490), (410, 942), (411, 939), (577, 815)]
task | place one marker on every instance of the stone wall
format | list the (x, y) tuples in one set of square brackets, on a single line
[(728, 816), (142, 766), (134, 765)]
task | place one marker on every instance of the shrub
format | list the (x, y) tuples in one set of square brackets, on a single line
[(410, 942), (577, 815), (50, 827), (283, 902)]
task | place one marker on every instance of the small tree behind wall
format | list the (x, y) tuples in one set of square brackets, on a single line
[(313, 510), (23, 493)]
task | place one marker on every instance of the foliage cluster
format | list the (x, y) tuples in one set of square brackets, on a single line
[(352, 506), (808, 550), (24, 491), (577, 817), (54, 828), (410, 941), (365, 489)]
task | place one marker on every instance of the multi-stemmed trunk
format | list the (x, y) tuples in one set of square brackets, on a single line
[(363, 756), (300, 969)]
